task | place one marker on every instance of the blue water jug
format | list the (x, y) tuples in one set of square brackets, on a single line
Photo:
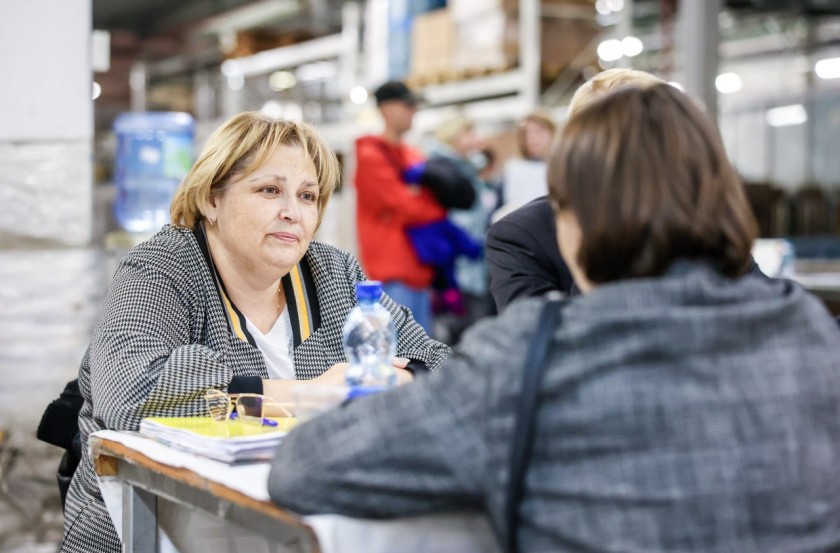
[(154, 152)]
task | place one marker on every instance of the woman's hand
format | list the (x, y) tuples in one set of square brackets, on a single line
[(404, 376), (337, 374), (334, 376)]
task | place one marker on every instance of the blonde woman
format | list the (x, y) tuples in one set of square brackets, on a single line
[(233, 295)]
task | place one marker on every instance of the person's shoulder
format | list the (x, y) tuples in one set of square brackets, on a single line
[(167, 251), (535, 210), (322, 249), (370, 145), (523, 310), (326, 254), (368, 140), (517, 319), (506, 336), (530, 219)]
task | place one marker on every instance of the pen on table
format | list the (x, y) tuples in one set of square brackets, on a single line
[(265, 421)]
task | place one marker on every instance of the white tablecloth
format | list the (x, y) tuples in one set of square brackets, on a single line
[(187, 530)]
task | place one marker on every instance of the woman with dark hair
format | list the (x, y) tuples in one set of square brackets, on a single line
[(682, 406)]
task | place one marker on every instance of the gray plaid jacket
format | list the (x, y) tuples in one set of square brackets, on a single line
[(683, 413), (163, 338)]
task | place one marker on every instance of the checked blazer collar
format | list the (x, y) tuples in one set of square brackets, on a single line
[(298, 287)]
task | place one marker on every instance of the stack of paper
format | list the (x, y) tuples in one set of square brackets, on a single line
[(230, 441)]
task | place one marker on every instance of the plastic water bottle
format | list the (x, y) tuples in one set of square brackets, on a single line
[(370, 340), (154, 152)]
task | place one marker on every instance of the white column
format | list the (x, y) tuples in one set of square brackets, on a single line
[(697, 43), (529, 50), (47, 114)]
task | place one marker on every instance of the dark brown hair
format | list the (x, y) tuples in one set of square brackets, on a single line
[(646, 175)]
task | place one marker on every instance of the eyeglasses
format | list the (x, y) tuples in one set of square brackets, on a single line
[(249, 408)]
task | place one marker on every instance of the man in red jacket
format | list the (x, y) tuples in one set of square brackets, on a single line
[(386, 203)]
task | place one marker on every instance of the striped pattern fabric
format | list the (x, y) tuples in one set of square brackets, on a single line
[(164, 337)]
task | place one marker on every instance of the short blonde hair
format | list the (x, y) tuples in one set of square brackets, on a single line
[(238, 147), (449, 130), (608, 81)]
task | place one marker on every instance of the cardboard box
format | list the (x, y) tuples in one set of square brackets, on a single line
[(465, 10), (433, 44), (490, 41), (565, 42)]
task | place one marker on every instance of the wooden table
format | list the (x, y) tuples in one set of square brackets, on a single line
[(145, 480), (152, 489)]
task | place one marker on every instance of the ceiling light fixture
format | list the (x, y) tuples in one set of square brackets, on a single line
[(828, 68), (785, 116), (727, 83)]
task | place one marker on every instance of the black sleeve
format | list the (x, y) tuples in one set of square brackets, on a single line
[(516, 264), (417, 367), (452, 189), (245, 385), (60, 422), (523, 256)]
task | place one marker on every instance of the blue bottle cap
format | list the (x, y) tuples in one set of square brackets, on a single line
[(368, 291)]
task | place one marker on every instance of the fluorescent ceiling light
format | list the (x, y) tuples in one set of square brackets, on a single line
[(615, 5), (358, 95), (631, 46), (317, 71), (785, 116), (610, 50), (602, 7), (281, 80), (273, 109), (828, 68), (251, 15), (727, 83)]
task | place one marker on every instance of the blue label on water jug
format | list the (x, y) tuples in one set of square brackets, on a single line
[(177, 156), (154, 153)]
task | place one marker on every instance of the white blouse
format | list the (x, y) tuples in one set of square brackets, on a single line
[(276, 346)]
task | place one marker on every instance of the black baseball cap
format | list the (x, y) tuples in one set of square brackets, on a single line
[(396, 90)]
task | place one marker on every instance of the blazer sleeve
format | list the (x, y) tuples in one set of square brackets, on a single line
[(381, 189), (142, 361), (415, 449), (412, 341), (518, 265), (439, 443)]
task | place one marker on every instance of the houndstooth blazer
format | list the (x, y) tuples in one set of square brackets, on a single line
[(164, 338)]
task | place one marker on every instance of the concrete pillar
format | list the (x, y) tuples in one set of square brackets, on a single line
[(697, 43), (50, 285), (47, 114)]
